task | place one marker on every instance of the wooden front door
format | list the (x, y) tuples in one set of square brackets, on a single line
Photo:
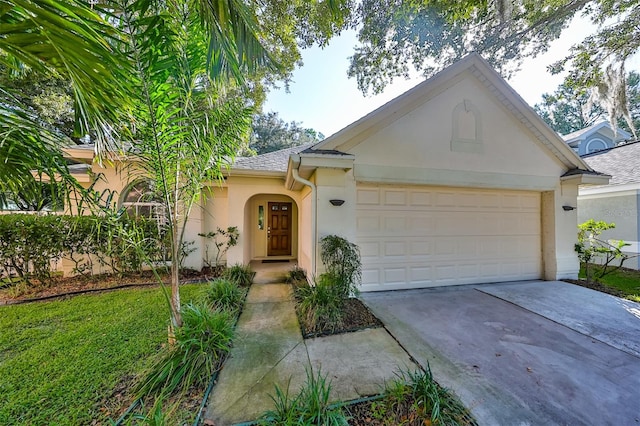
[(279, 229)]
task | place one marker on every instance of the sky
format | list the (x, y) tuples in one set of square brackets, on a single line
[(323, 98)]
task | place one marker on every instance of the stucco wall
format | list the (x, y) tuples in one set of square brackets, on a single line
[(241, 212), (421, 146), (305, 227)]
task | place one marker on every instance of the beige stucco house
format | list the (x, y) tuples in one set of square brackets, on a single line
[(457, 181)]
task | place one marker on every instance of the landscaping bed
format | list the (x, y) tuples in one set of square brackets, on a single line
[(356, 317), (62, 286), (621, 282)]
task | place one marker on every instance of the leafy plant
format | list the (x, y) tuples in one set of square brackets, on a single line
[(223, 240), (31, 244), (414, 398), (240, 274), (321, 305), (201, 343), (341, 259), (223, 294), (309, 407), (591, 248), (297, 276)]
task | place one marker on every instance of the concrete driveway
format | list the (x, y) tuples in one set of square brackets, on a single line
[(527, 353)]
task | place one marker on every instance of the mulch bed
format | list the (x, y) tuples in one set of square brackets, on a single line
[(599, 287), (68, 286), (357, 317)]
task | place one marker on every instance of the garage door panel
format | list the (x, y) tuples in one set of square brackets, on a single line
[(420, 237)]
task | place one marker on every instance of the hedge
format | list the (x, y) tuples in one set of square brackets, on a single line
[(30, 243)]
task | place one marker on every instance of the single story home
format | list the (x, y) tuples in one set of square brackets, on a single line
[(619, 201), (457, 181)]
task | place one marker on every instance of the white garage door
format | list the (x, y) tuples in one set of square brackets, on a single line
[(418, 236)]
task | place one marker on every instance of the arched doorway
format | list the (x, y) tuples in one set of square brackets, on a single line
[(272, 224)]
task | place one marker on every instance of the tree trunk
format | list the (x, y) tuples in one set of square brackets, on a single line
[(176, 318)]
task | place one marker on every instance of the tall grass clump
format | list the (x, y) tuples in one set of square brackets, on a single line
[(321, 305), (224, 295), (200, 346), (296, 276), (309, 407), (240, 274), (416, 397)]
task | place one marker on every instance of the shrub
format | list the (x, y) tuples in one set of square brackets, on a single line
[(201, 343), (341, 259), (320, 306), (29, 243), (240, 274), (310, 407), (224, 295), (223, 240), (591, 248)]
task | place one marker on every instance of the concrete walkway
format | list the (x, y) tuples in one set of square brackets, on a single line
[(269, 350)]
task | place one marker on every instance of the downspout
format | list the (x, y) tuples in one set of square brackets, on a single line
[(314, 209)]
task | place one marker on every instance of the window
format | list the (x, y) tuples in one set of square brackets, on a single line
[(141, 200), (595, 145), (261, 217)]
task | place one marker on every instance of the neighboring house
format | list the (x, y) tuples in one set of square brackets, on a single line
[(619, 201), (456, 181), (597, 137)]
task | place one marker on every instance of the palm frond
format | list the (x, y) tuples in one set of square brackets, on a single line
[(234, 43), (68, 38)]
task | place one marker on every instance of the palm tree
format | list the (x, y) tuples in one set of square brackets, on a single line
[(75, 39), (54, 37), (173, 54)]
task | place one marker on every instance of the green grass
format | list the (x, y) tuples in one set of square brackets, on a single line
[(60, 360), (627, 281)]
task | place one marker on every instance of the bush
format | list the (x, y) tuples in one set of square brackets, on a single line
[(240, 274), (341, 259), (30, 243), (201, 343), (310, 407), (591, 248), (321, 305), (224, 295)]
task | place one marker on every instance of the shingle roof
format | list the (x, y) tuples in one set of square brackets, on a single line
[(276, 161), (621, 162)]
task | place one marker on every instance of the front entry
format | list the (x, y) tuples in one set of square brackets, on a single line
[(279, 229)]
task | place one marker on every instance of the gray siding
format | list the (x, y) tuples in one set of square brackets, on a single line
[(621, 210)]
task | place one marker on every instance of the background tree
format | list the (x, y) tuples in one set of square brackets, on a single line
[(48, 96), (271, 133), (568, 109), (397, 36)]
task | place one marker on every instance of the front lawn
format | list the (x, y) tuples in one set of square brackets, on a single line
[(61, 361), (621, 282)]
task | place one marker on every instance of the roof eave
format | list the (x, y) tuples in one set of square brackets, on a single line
[(586, 179), (255, 173)]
